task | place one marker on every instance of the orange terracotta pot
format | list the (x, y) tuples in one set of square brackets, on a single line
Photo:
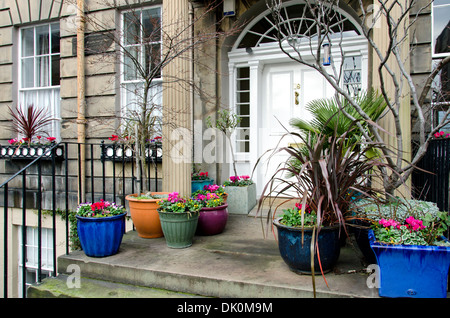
[(145, 215)]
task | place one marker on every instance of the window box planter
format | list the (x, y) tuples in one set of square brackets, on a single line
[(241, 200), (120, 153), (24, 152), (411, 270)]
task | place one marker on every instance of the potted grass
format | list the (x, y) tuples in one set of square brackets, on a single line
[(100, 227), (179, 219), (213, 214), (412, 255), (323, 174)]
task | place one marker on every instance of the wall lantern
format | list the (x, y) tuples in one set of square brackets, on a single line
[(326, 54), (229, 8)]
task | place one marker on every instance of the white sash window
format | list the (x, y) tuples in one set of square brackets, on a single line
[(39, 71), (141, 53)]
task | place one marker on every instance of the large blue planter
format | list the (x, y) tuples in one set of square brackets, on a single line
[(100, 237), (411, 270), (297, 255), (199, 184)]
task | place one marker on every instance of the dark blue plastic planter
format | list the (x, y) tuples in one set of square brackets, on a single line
[(298, 256), (411, 270), (100, 237), (199, 184)]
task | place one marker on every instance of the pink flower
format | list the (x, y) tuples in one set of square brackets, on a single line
[(211, 187), (114, 138), (51, 138), (389, 223), (234, 178), (307, 208), (173, 197), (12, 141), (245, 177), (414, 224)]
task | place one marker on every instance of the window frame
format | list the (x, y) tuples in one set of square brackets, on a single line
[(124, 106), (54, 107), (47, 265), (237, 104), (436, 55)]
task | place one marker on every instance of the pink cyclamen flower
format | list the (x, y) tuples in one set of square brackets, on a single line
[(389, 223), (173, 197), (12, 141), (245, 177), (414, 224), (51, 138), (234, 178)]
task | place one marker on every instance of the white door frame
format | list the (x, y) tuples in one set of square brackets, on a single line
[(256, 58)]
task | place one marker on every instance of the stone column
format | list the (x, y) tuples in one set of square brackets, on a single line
[(177, 108), (381, 38)]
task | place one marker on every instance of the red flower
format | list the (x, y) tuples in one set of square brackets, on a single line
[(51, 138)]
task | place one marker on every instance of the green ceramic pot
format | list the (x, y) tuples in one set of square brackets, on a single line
[(178, 228)]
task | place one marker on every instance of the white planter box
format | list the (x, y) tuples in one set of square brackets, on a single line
[(241, 200)]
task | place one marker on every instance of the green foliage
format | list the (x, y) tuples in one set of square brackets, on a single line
[(397, 209), (399, 212), (176, 204), (151, 196), (226, 121), (99, 209), (293, 217)]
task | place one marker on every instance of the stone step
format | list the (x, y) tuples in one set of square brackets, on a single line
[(243, 261)]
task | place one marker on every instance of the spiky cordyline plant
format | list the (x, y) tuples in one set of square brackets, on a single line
[(30, 122), (330, 171)]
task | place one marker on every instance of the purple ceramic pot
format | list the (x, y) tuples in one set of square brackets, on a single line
[(212, 221)]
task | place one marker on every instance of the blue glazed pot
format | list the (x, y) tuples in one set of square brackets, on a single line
[(199, 184), (297, 255), (411, 270), (100, 237)]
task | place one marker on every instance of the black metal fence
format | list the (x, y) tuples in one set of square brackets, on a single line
[(431, 180), (47, 178)]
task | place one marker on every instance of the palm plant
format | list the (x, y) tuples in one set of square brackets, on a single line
[(329, 119), (31, 122), (324, 174)]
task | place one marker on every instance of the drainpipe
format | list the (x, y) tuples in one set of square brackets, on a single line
[(81, 103)]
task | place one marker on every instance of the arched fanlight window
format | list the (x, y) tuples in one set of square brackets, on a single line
[(296, 20)]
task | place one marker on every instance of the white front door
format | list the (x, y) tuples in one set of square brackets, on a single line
[(286, 89)]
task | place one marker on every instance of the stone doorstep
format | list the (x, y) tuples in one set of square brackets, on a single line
[(240, 262)]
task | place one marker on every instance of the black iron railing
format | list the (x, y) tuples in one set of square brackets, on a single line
[(431, 180), (49, 180)]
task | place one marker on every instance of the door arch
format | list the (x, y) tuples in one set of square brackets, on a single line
[(256, 53)]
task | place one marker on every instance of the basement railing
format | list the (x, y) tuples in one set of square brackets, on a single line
[(53, 169)]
